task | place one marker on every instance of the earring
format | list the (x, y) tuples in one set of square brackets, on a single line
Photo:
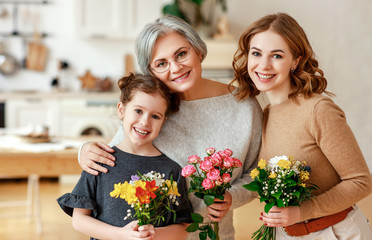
[(293, 70)]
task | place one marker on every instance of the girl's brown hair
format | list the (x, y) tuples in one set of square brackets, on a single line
[(147, 84), (306, 79)]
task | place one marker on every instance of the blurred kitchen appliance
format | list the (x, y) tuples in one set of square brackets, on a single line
[(81, 116)]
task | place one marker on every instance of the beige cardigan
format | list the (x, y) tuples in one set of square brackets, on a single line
[(314, 130)]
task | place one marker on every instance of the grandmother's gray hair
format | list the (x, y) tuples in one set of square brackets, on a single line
[(146, 39)]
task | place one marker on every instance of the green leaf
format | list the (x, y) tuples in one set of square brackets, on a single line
[(203, 235), (211, 234), (268, 206), (297, 194), (199, 195), (263, 175), (253, 186), (277, 194), (208, 199), (193, 227), (221, 197), (279, 202), (197, 218)]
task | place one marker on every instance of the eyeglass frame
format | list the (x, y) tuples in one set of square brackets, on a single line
[(174, 60)]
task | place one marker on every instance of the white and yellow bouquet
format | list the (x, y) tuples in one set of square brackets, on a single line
[(280, 182), (150, 195)]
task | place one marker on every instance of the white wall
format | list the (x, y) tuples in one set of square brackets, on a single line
[(339, 31)]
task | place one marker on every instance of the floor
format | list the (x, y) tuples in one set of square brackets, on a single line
[(57, 225)]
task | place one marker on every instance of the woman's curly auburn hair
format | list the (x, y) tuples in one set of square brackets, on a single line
[(306, 79)]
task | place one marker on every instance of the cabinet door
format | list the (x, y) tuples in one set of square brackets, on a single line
[(23, 112), (115, 19)]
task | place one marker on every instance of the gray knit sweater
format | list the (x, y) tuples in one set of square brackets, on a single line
[(220, 122)]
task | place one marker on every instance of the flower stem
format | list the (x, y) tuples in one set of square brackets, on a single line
[(216, 230)]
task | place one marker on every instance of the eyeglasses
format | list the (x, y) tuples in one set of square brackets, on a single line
[(181, 56)]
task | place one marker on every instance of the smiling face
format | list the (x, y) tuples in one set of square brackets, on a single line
[(181, 76), (269, 64), (142, 119)]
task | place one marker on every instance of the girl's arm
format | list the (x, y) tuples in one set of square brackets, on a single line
[(171, 232), (83, 222)]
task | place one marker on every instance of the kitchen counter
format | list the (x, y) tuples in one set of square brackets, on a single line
[(53, 95)]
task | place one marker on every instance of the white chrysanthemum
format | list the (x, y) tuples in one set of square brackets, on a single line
[(273, 162)]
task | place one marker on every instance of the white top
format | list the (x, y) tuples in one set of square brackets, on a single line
[(220, 122)]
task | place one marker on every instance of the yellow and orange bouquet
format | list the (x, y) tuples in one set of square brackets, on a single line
[(280, 182), (150, 195)]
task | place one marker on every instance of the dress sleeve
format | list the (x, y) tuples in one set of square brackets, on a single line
[(184, 208), (337, 142), (82, 196), (240, 195)]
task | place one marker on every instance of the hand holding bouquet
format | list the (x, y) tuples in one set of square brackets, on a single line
[(149, 195), (210, 178), (280, 182)]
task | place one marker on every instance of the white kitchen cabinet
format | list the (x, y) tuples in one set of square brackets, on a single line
[(115, 19), (21, 112)]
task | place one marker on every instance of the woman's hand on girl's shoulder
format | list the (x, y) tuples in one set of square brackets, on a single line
[(92, 152)]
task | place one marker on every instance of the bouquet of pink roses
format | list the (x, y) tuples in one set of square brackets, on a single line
[(210, 178)]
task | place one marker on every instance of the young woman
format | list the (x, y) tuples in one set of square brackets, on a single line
[(143, 108), (275, 57), (209, 115)]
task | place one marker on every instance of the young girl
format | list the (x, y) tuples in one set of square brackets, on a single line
[(144, 104), (275, 57)]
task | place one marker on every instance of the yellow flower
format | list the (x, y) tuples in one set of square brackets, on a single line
[(172, 188), (129, 193), (262, 164), (117, 190), (304, 175), (285, 164), (254, 173), (273, 175), (302, 184), (140, 183)]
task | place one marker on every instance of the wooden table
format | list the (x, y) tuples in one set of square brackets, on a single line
[(45, 164), (15, 163)]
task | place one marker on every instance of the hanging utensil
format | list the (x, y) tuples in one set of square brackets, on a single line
[(8, 64), (37, 52)]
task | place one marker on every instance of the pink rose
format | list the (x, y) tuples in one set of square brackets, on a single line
[(213, 174), (226, 177), (222, 154), (210, 151), (216, 160), (206, 166), (208, 158), (188, 170), (228, 152), (237, 163), (219, 181), (208, 184), (194, 159), (228, 162)]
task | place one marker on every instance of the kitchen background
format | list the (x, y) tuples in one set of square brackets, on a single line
[(98, 36)]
